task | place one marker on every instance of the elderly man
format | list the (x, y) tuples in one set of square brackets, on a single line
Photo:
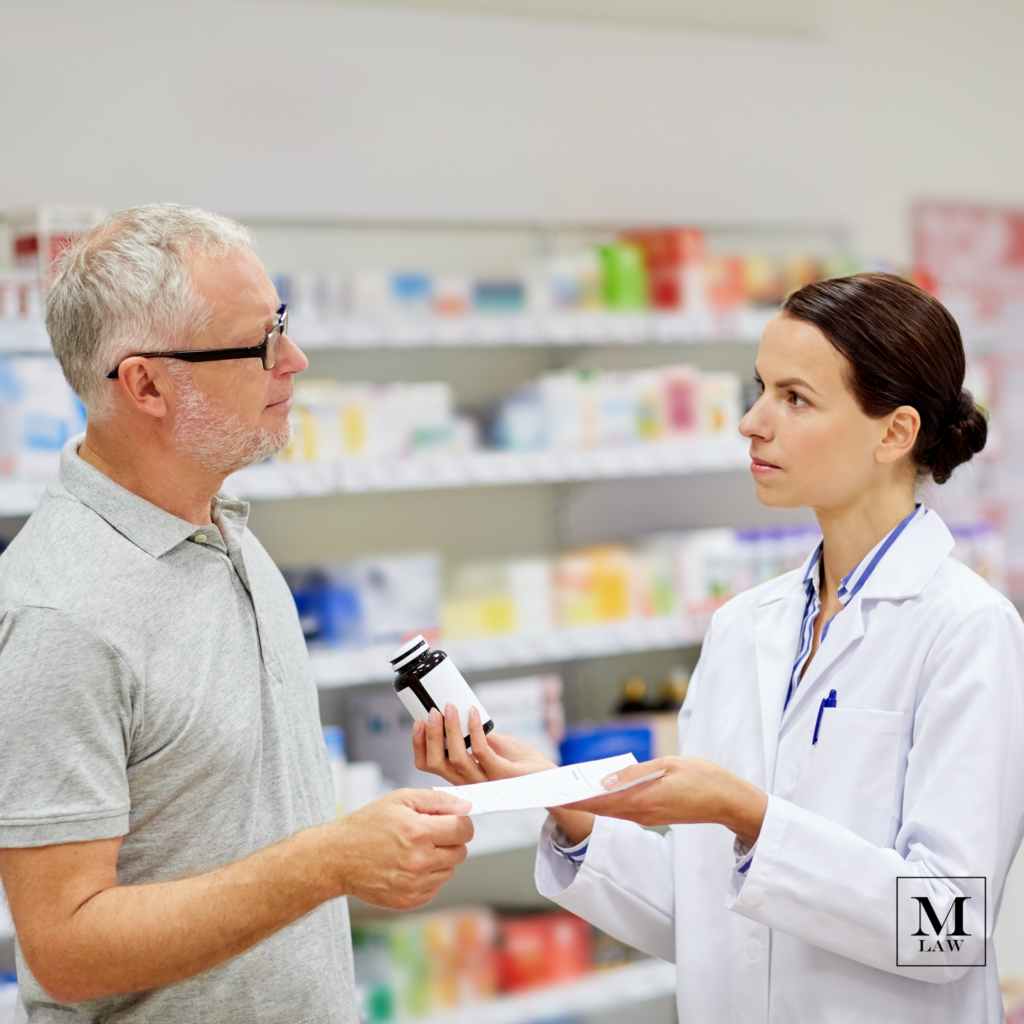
[(167, 842)]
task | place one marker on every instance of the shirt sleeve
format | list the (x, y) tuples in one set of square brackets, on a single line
[(743, 851), (65, 732), (575, 854)]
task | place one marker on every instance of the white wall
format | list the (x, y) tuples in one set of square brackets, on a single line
[(939, 87), (265, 110)]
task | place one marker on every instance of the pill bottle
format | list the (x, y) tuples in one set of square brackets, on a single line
[(428, 679)]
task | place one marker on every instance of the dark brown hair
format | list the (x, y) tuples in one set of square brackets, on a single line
[(903, 348)]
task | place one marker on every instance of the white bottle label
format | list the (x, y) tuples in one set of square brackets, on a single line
[(445, 686)]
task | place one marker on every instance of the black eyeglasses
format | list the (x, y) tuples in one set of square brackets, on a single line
[(267, 350)]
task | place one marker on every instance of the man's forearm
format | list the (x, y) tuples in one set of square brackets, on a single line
[(128, 938)]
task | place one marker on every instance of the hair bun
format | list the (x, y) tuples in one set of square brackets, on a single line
[(963, 437)]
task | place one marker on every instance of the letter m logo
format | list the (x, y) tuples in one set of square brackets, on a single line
[(925, 908)]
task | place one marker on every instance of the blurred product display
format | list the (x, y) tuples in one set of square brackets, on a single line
[(663, 285), (687, 574), (38, 413), (671, 269), (656, 593), (567, 411), (39, 234), (429, 965)]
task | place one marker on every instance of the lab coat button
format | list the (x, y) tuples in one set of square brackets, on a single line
[(753, 949), (753, 896)]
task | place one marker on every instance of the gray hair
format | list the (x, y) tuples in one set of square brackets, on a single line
[(126, 287)]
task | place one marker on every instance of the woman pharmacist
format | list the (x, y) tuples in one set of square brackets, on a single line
[(850, 791)]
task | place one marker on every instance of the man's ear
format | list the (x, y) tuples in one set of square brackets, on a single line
[(901, 429), (146, 385)]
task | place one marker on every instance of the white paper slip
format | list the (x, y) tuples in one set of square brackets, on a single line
[(552, 788)]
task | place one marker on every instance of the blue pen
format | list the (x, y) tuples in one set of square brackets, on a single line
[(827, 702)]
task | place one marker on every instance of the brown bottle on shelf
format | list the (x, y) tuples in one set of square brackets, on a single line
[(634, 690), (672, 691)]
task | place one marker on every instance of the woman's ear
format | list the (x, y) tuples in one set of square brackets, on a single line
[(901, 429)]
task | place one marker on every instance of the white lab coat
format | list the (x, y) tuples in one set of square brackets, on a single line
[(918, 770)]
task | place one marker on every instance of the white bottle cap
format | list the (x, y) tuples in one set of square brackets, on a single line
[(409, 651)]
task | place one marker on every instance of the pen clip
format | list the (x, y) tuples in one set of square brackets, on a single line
[(826, 702)]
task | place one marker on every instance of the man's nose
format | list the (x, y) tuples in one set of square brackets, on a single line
[(291, 358)]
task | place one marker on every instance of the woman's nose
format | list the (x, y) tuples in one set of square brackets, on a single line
[(754, 422)]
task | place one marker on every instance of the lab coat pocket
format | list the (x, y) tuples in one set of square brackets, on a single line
[(849, 776)]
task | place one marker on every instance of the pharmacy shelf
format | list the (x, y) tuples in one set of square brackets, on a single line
[(616, 987), (489, 469), (272, 480), (492, 331), (611, 989), (334, 667), (23, 336), (499, 330)]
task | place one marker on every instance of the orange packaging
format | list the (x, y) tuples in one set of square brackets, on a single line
[(593, 586), (543, 949), (763, 283), (724, 281), (798, 271)]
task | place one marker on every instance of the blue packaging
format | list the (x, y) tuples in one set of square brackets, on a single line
[(499, 295), (412, 291), (594, 741), (328, 604), (334, 738)]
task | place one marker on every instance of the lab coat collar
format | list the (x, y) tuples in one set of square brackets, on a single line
[(903, 573), (911, 562)]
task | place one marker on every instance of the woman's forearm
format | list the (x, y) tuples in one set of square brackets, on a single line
[(743, 808), (577, 825)]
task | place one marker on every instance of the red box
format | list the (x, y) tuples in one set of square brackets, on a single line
[(543, 949), (667, 251)]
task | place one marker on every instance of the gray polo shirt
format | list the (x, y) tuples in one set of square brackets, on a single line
[(154, 684)]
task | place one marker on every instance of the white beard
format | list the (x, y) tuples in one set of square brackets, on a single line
[(216, 441)]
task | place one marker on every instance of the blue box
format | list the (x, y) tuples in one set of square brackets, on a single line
[(592, 742)]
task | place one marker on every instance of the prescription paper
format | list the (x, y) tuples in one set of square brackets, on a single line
[(552, 788)]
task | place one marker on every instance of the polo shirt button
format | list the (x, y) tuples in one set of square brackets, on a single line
[(753, 949), (753, 896), (200, 538)]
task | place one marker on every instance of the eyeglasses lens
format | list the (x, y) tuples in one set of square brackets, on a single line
[(274, 341)]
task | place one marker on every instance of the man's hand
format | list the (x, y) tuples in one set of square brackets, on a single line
[(84, 936), (398, 851), (494, 757), (691, 791)]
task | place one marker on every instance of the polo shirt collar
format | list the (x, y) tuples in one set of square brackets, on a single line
[(148, 527)]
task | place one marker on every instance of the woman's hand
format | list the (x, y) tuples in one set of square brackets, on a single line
[(493, 757), (691, 791)]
